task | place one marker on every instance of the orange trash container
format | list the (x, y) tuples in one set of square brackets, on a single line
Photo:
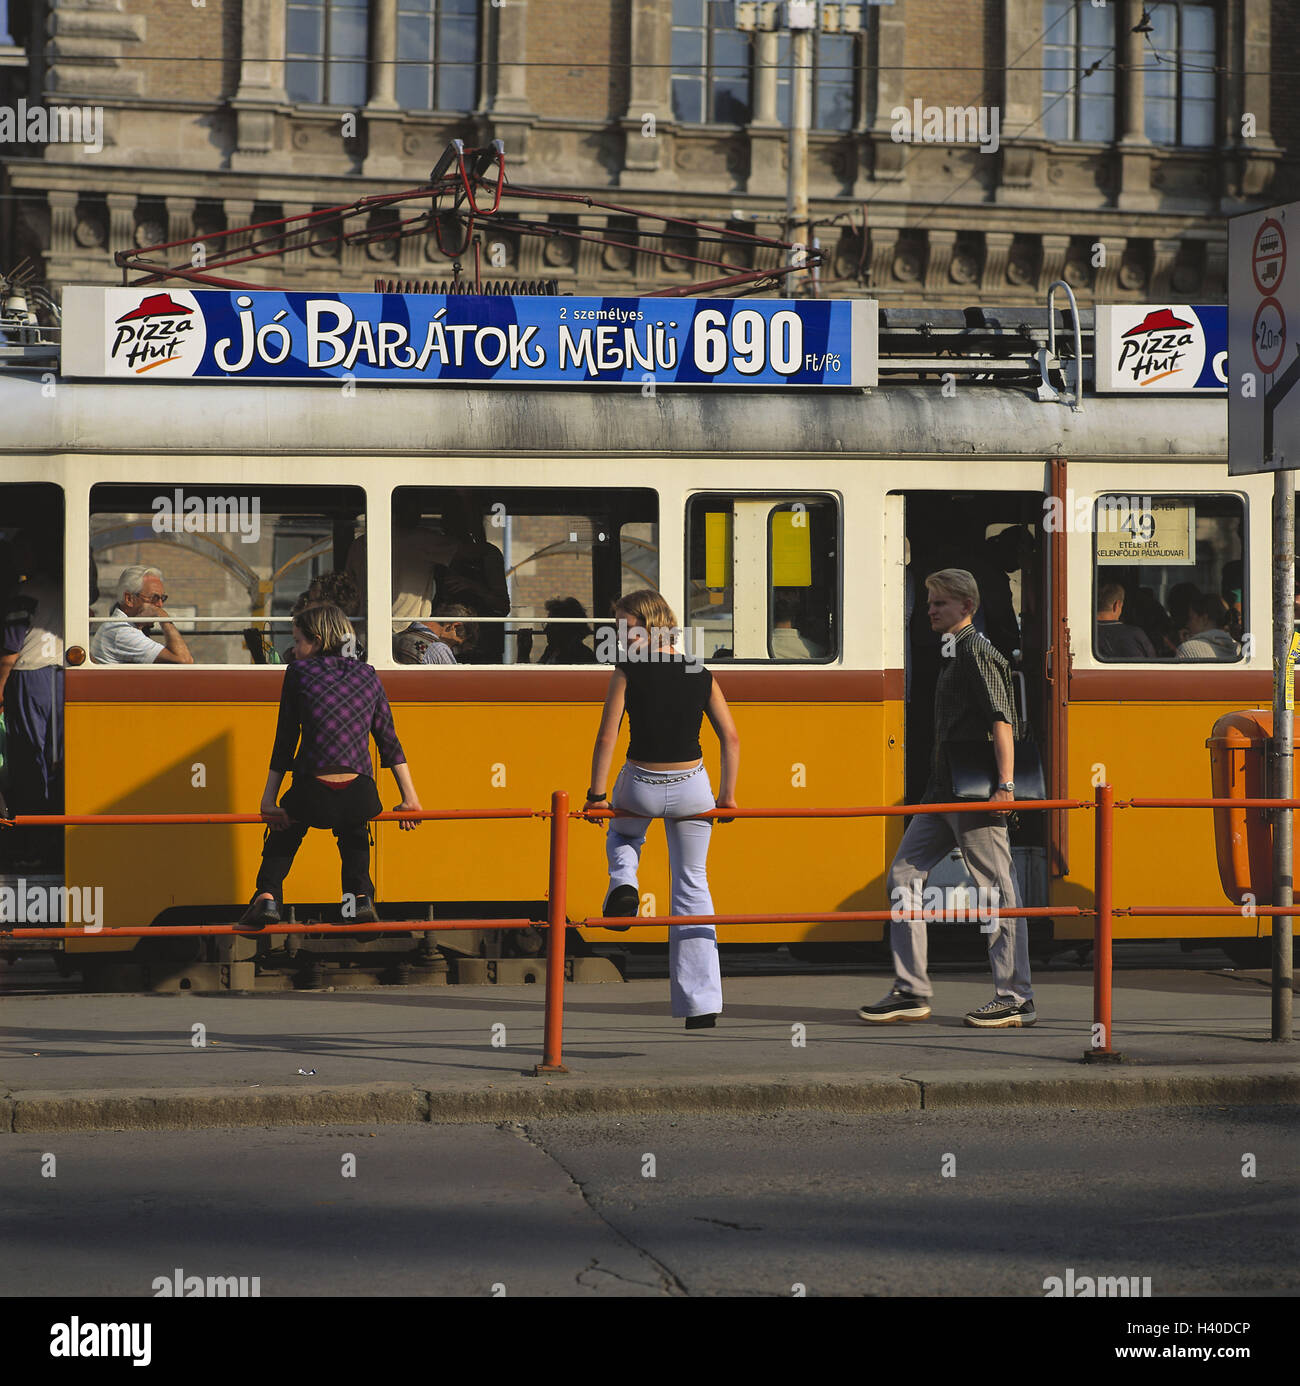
[(1243, 837)]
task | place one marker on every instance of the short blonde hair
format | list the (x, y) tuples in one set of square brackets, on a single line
[(955, 582), (328, 627), (652, 610)]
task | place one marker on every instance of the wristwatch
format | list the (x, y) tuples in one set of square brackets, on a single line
[(1008, 785), (594, 798)]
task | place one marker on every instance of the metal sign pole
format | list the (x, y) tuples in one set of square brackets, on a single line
[(1283, 701)]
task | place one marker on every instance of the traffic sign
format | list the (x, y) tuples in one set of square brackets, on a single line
[(1268, 336), (1268, 256), (1263, 352)]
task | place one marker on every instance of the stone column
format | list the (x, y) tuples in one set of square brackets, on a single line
[(646, 155), (507, 105), (261, 92), (1250, 96), (383, 55), (382, 114), (1020, 156), (767, 137), (1135, 150), (880, 159)]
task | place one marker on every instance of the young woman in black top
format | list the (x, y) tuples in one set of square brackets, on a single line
[(666, 696)]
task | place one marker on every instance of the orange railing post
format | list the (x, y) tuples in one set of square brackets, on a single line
[(556, 921), (1101, 949)]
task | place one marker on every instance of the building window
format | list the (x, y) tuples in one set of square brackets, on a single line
[(1179, 72), (711, 82), (834, 73), (437, 46), (325, 52), (1078, 106)]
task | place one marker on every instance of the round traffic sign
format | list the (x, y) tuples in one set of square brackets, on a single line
[(1268, 335), (1268, 256)]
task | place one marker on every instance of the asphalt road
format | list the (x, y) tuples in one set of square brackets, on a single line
[(803, 1203)]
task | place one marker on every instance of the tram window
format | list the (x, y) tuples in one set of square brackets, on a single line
[(763, 579), (1169, 579), (538, 568), (237, 563)]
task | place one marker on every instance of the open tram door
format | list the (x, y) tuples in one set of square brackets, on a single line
[(998, 537), (31, 728)]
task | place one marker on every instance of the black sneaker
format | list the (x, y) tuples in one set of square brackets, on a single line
[(365, 912), (1002, 1014), (898, 1005), (700, 1022), (622, 902), (261, 912)]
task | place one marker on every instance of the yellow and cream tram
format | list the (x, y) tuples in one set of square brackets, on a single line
[(789, 530)]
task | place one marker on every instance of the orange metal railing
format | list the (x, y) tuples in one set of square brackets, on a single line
[(557, 920)]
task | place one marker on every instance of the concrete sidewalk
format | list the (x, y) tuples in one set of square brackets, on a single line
[(85, 1062)]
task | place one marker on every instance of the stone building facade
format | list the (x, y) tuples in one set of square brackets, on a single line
[(1135, 133)]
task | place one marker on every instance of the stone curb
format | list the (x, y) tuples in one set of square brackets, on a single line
[(388, 1103)]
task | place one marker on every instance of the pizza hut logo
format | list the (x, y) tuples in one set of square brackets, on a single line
[(159, 332), (1161, 346)]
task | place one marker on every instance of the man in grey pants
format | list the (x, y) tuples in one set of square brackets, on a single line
[(972, 701)]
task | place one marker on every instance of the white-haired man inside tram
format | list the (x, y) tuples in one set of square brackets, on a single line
[(119, 640)]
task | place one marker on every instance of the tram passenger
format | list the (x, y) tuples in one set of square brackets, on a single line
[(1115, 639), (330, 705), (666, 696), (439, 640), (474, 577), (417, 552), (1181, 597), (1207, 636), (972, 700), (787, 641), (31, 693), (337, 588), (117, 641), (565, 643)]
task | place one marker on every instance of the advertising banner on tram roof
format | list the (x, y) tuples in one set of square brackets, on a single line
[(1161, 348), (244, 335)]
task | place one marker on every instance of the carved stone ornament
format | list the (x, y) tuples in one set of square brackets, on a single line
[(149, 232), (1132, 275), (89, 233)]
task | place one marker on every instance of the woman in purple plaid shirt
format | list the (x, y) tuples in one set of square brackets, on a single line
[(330, 705)]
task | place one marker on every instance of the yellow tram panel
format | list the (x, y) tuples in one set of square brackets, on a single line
[(1147, 750)]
